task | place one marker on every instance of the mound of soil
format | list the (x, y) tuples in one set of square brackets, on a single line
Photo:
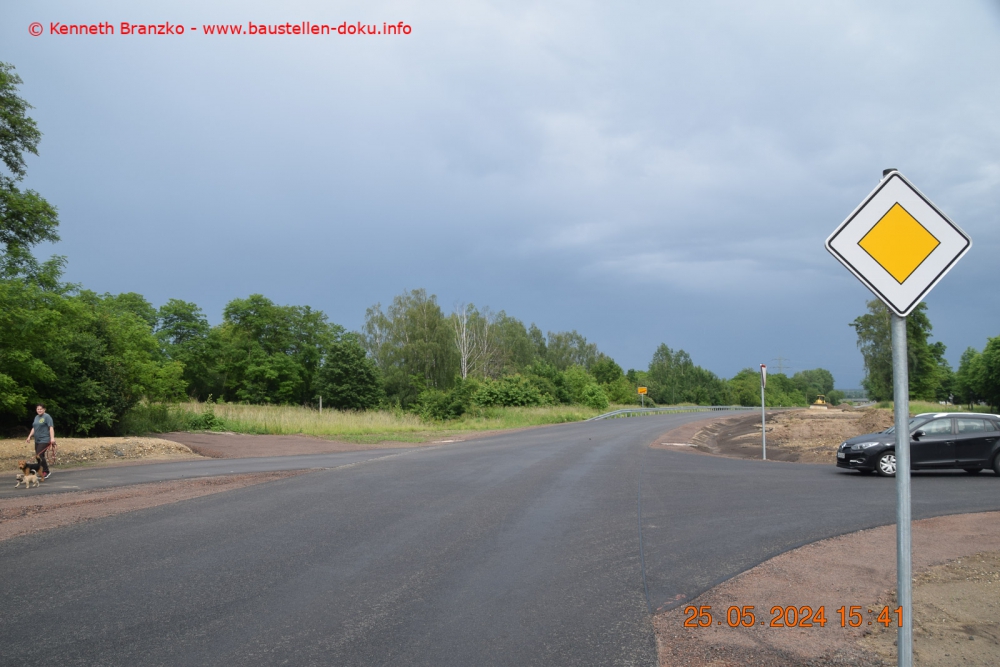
[(88, 451), (804, 436)]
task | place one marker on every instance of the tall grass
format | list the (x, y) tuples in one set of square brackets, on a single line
[(918, 407), (370, 426)]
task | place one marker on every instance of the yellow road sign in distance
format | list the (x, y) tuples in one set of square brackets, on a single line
[(642, 390), (898, 243)]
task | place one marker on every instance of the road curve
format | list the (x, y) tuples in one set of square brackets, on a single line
[(519, 549)]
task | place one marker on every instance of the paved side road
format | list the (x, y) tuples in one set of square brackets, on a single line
[(521, 549), (86, 479)]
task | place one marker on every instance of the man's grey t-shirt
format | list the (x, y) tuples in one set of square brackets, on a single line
[(42, 425)]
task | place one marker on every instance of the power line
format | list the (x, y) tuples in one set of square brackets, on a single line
[(781, 364)]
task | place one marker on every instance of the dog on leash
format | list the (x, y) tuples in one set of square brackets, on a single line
[(27, 478), (33, 467)]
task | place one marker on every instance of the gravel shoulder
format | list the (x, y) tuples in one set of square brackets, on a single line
[(956, 563)]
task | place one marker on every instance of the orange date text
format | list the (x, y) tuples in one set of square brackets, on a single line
[(790, 616)]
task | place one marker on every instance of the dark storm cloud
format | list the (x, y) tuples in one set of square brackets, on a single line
[(644, 173)]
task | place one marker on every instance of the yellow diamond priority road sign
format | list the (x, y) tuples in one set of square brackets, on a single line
[(898, 243)]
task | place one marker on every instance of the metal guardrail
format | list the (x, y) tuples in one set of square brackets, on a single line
[(638, 412)]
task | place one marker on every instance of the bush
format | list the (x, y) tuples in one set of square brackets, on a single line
[(577, 379), (509, 391), (594, 397), (162, 418), (622, 391), (438, 405)]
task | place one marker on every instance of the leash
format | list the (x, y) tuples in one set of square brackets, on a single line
[(51, 459)]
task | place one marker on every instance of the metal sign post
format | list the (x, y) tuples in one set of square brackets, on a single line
[(642, 395), (763, 421), (904, 549), (899, 245)]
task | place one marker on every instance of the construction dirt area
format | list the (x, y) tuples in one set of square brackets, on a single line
[(802, 436)]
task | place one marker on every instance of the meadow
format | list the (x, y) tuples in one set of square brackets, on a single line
[(919, 407), (366, 427)]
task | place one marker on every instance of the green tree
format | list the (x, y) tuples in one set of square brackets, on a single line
[(549, 381), (605, 370), (26, 219), (348, 379), (183, 333), (569, 348), (269, 353), (875, 342), (813, 383), (538, 342), (130, 302), (413, 345), (988, 373), (577, 381), (928, 370), (89, 358), (490, 344), (744, 389), (966, 385), (674, 378)]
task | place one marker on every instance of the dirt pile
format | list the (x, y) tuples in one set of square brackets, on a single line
[(84, 451), (805, 436)]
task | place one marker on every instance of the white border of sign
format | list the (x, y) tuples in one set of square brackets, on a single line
[(900, 298)]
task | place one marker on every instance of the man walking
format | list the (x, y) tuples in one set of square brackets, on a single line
[(45, 436)]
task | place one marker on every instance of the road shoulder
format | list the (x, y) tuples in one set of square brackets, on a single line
[(34, 513), (858, 569)]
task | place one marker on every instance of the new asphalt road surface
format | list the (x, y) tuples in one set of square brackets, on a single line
[(550, 546)]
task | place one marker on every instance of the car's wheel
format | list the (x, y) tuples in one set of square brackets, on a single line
[(996, 464), (886, 465), (973, 471)]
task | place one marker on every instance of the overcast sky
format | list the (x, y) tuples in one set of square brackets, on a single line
[(643, 172)]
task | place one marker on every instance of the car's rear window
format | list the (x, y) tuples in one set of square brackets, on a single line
[(973, 425)]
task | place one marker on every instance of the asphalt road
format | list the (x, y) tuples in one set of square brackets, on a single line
[(86, 479), (520, 549)]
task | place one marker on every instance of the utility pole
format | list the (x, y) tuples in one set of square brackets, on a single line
[(781, 364)]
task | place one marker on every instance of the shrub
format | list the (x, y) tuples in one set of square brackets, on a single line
[(594, 397), (509, 391), (438, 405)]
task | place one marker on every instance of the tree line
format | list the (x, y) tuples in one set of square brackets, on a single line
[(977, 380)]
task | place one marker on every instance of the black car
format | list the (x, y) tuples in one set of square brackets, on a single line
[(965, 440)]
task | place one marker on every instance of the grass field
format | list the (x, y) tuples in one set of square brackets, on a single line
[(364, 427), (918, 407)]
